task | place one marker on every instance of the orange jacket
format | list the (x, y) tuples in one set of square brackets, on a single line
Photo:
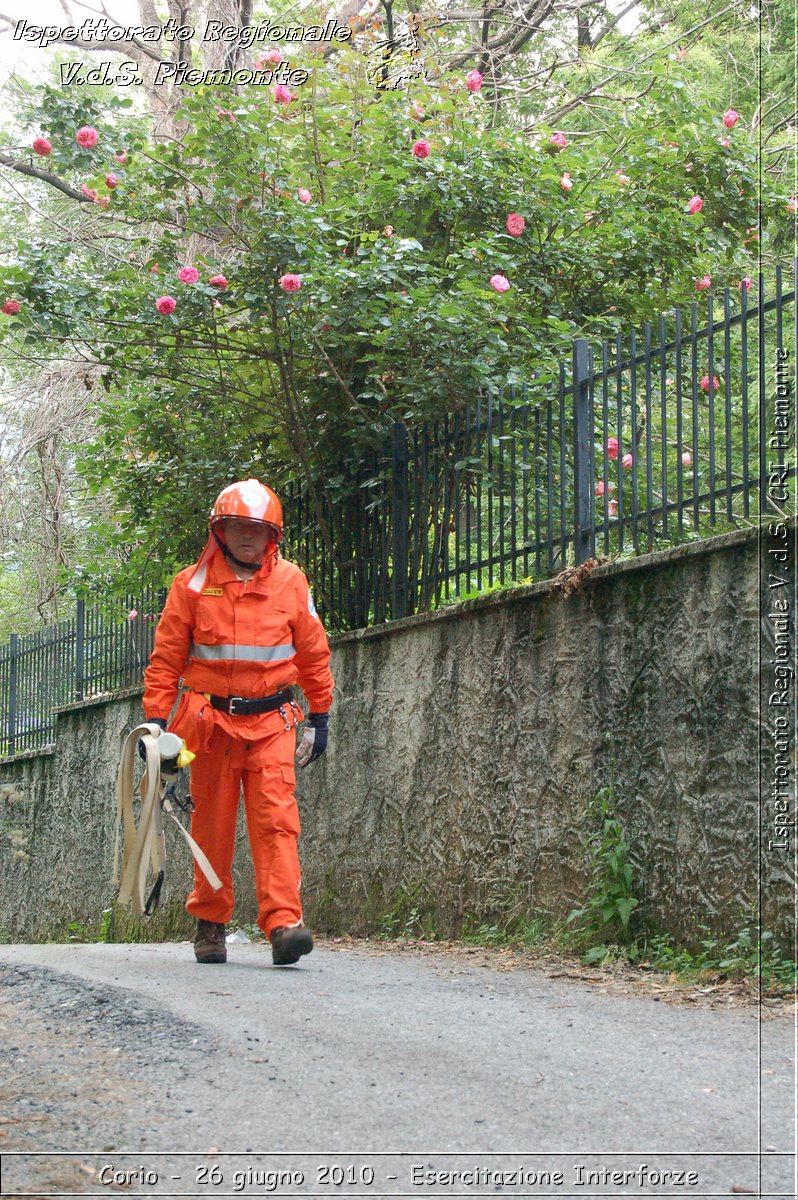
[(239, 639)]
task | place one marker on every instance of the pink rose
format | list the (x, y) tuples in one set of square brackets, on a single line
[(725, 142), (121, 158), (687, 458), (730, 118), (499, 283), (282, 94), (612, 507), (558, 140), (515, 225), (225, 112), (695, 204), (566, 182), (416, 111), (474, 81), (40, 145), (704, 383), (304, 195), (131, 616), (612, 447), (11, 308), (272, 56), (165, 305), (111, 181), (703, 283), (290, 283), (218, 281), (601, 488), (623, 180), (86, 137), (792, 205), (90, 192), (421, 149), (627, 461), (188, 274), (745, 282)]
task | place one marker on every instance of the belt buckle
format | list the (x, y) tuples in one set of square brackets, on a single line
[(231, 703)]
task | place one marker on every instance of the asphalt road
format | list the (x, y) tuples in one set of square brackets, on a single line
[(371, 1072)]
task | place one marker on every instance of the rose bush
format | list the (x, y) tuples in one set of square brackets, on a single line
[(378, 300)]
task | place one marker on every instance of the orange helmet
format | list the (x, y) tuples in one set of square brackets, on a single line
[(250, 501)]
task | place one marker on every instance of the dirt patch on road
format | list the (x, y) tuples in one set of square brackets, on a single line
[(708, 990), (81, 1063)]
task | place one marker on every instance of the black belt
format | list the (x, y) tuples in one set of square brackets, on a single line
[(241, 705)]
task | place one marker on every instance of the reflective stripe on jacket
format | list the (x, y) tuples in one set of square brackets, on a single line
[(239, 639)]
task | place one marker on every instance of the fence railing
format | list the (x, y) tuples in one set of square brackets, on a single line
[(637, 443), (96, 652), (642, 442)]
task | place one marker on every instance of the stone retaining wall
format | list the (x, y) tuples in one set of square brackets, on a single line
[(465, 746)]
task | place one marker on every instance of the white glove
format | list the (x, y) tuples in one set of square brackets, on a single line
[(304, 750)]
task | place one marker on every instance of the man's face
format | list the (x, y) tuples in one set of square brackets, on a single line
[(247, 539)]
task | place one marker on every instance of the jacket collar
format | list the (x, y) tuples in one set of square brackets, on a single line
[(213, 568)]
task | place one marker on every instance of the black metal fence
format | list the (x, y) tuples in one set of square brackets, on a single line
[(639, 443), (642, 442), (98, 651)]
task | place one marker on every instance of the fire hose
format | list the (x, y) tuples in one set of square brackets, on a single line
[(144, 843)]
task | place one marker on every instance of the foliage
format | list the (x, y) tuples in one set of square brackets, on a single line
[(747, 955), (524, 932), (395, 317), (607, 910), (407, 917)]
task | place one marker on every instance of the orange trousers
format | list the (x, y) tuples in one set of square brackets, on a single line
[(265, 769)]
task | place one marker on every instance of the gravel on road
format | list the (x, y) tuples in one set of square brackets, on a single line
[(366, 1063)]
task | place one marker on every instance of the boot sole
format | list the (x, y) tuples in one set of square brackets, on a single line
[(214, 957), (287, 958)]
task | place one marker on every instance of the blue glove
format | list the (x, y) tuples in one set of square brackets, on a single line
[(314, 739), (150, 721)]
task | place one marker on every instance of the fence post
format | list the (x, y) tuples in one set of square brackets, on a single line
[(400, 521), (13, 673), (584, 534), (80, 648)]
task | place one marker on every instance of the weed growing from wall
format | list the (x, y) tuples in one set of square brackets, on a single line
[(605, 916)]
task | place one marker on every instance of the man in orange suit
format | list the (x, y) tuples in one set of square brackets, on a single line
[(239, 628)]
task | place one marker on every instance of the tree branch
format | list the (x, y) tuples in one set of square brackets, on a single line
[(23, 168), (553, 118)]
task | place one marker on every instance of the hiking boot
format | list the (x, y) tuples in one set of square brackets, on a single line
[(209, 943), (289, 944)]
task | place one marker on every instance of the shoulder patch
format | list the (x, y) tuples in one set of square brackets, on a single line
[(212, 592)]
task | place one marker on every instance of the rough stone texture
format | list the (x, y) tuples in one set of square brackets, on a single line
[(464, 748), (57, 828)]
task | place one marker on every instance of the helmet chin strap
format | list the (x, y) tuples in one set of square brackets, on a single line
[(247, 566)]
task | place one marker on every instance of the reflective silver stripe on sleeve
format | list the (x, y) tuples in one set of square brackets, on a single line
[(242, 653)]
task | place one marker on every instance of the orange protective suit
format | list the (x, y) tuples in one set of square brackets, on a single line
[(225, 637)]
